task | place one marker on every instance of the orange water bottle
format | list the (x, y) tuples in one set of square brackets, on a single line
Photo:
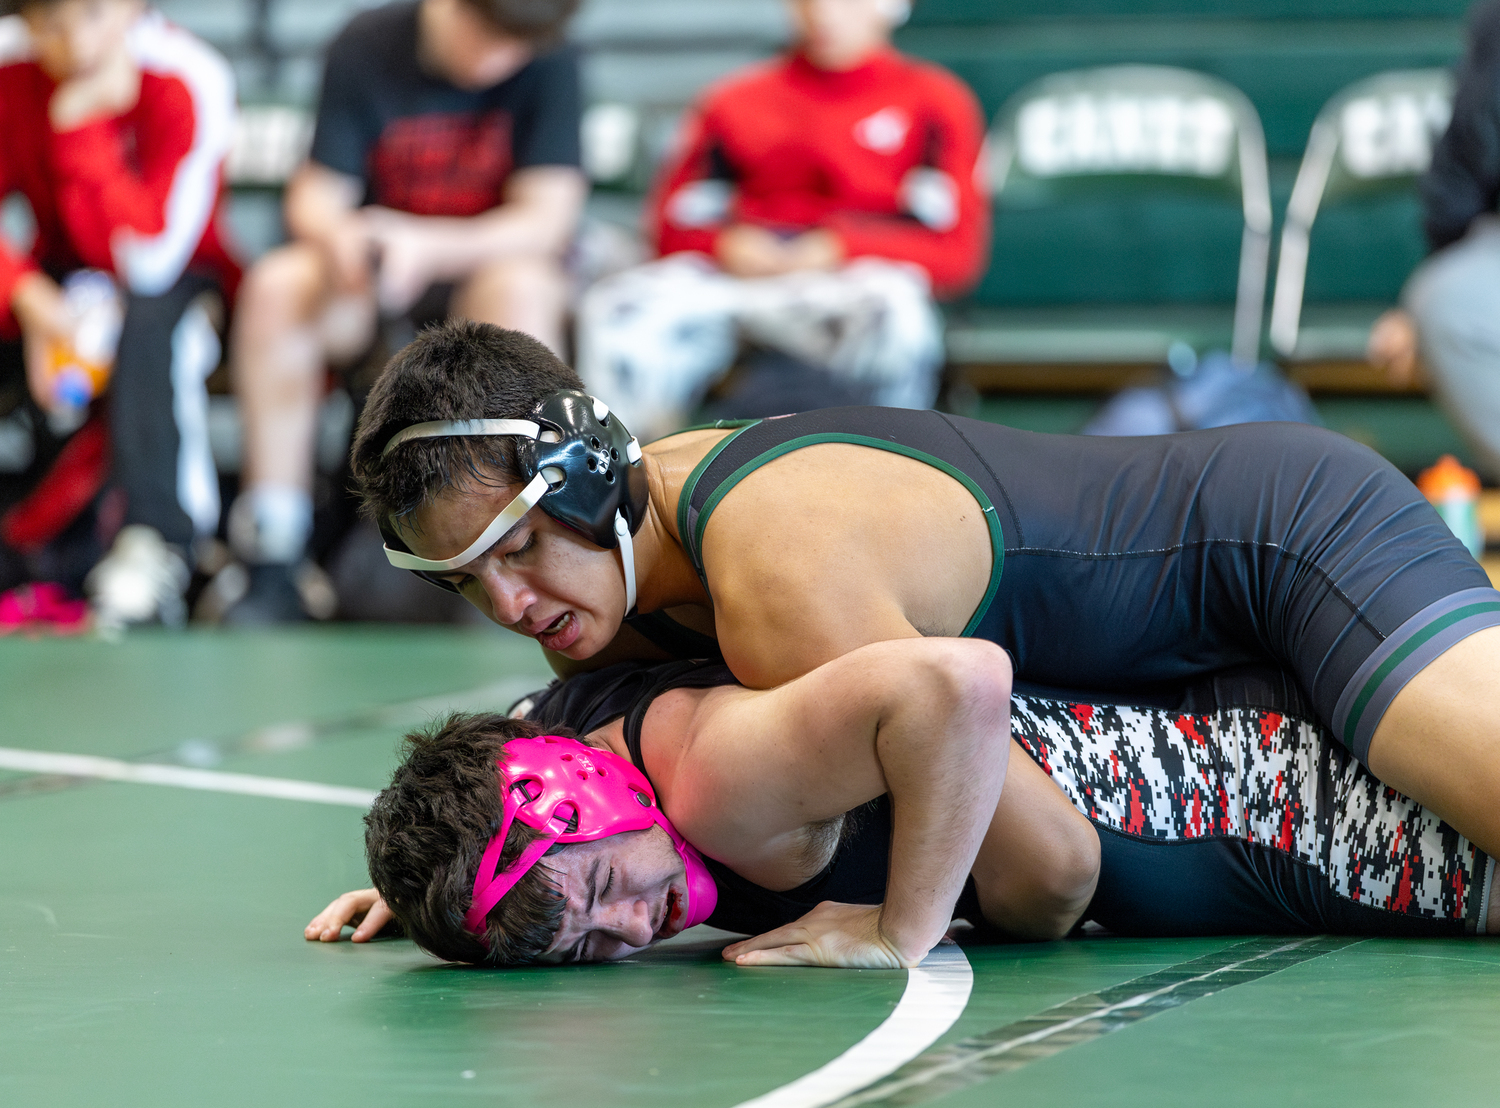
[(78, 368), (1453, 489)]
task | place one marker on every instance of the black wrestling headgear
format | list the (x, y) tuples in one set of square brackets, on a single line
[(580, 464)]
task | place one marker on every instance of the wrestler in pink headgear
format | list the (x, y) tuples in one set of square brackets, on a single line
[(577, 794)]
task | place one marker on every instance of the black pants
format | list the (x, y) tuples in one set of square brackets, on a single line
[(142, 409), (142, 405)]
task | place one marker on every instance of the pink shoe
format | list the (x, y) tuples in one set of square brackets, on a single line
[(44, 606)]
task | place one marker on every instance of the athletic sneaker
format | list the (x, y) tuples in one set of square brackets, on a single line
[(140, 580), (268, 595), (42, 607)]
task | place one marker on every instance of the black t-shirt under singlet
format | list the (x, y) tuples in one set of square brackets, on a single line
[(857, 873), (424, 146)]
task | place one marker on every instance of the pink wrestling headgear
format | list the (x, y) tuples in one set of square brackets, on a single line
[(576, 794)]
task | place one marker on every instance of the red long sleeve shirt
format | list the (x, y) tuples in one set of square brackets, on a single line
[(884, 156), (138, 194)]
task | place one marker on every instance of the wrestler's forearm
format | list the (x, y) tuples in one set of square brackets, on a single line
[(943, 749)]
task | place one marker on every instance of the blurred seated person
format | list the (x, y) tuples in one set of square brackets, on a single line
[(1449, 321), (443, 180), (115, 125), (815, 206)]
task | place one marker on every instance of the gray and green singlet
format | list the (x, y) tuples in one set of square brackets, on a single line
[(1126, 563)]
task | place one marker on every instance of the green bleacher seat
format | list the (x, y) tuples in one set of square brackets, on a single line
[(646, 61), (1149, 134), (987, 11)]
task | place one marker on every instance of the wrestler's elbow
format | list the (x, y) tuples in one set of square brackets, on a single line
[(959, 677)]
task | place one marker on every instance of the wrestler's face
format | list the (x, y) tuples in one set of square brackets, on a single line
[(460, 45), (74, 38), (840, 34), (540, 579), (623, 893)]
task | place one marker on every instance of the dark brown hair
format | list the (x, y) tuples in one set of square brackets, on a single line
[(426, 833), (457, 370), (541, 22)]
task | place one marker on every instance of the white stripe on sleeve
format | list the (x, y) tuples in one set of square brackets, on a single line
[(151, 264)]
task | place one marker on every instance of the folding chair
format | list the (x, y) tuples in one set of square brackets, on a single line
[(1139, 129), (1373, 138)]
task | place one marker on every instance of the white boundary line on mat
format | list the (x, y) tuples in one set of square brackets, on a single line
[(182, 777), (937, 991)]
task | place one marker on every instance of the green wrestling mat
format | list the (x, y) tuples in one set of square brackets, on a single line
[(151, 950)]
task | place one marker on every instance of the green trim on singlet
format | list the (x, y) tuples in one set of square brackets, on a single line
[(1404, 651), (716, 425), (685, 499), (997, 537)]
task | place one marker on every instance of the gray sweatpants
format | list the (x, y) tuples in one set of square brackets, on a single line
[(1455, 298)]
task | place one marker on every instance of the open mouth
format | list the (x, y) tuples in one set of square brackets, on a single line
[(560, 634), (672, 914)]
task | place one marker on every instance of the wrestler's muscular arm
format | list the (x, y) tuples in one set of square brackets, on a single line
[(926, 721)]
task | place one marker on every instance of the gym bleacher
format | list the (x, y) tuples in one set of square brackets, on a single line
[(1083, 295)]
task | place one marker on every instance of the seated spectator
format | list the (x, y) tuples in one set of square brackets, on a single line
[(815, 206), (115, 127), (1450, 312), (443, 180)]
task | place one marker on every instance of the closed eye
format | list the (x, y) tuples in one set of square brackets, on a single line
[(461, 580)]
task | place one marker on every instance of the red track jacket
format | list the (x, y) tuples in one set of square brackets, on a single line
[(137, 195), (791, 147)]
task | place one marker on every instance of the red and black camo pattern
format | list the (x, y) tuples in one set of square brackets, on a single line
[(1266, 778)]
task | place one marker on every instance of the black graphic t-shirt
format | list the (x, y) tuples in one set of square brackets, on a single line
[(420, 144)]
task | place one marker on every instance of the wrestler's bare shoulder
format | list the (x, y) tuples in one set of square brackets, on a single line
[(673, 461), (686, 447), (849, 525)]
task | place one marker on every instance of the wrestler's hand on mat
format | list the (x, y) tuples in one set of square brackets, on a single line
[(363, 907), (843, 936)]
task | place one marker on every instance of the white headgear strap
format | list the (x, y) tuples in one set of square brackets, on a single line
[(442, 429), (512, 513)]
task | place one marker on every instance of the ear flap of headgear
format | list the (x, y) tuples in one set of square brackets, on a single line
[(592, 465)]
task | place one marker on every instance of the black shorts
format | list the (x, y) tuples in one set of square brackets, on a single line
[(1128, 563)]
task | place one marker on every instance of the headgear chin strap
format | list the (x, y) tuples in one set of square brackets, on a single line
[(584, 469), (576, 794)]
